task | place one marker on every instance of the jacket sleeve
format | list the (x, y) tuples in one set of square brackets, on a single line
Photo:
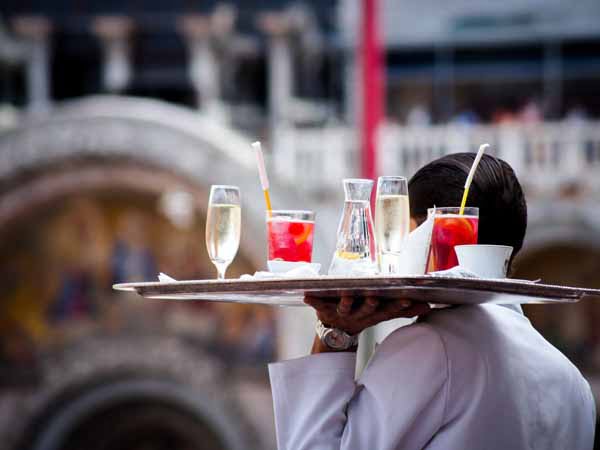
[(398, 402)]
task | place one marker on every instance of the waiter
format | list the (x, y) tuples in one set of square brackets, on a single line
[(468, 377)]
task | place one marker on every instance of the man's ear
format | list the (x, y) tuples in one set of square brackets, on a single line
[(413, 224)]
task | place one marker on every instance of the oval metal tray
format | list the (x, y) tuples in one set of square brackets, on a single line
[(425, 288)]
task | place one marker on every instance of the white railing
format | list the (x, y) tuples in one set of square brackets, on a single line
[(314, 159), (546, 157)]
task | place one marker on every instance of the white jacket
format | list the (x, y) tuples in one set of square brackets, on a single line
[(470, 377)]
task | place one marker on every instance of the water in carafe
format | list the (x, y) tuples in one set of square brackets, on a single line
[(355, 248)]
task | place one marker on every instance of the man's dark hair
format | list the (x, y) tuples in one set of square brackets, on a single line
[(495, 191)]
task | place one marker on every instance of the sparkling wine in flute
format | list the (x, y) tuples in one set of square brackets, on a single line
[(392, 220), (223, 227)]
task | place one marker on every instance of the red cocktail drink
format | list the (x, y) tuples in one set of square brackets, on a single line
[(451, 229), (290, 235)]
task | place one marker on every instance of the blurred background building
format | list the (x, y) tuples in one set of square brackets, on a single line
[(116, 117)]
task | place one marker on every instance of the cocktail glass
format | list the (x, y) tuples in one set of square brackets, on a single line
[(450, 229), (290, 235)]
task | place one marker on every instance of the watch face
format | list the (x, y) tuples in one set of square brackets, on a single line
[(336, 340)]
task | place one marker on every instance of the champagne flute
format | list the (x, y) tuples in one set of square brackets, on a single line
[(223, 226), (392, 220)]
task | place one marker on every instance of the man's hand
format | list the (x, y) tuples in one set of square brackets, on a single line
[(353, 316)]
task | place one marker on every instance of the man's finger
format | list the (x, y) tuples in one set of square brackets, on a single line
[(400, 304), (327, 317), (367, 308), (317, 303), (345, 305)]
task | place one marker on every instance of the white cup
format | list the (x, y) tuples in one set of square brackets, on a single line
[(487, 261)]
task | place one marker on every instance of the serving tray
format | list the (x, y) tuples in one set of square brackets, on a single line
[(425, 288)]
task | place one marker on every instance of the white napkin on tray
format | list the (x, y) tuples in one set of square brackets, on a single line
[(414, 253), (302, 271), (164, 278), (455, 272)]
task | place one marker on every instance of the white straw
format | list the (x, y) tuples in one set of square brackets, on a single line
[(482, 148), (260, 160)]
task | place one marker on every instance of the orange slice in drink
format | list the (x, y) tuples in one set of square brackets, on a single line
[(348, 255), (454, 230), (300, 232)]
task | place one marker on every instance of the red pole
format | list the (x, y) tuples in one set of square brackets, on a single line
[(372, 58)]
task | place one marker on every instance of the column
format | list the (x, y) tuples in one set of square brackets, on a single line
[(35, 31), (224, 40), (203, 66), (311, 45), (278, 27), (114, 33)]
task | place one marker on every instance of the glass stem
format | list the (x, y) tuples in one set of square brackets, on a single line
[(221, 268)]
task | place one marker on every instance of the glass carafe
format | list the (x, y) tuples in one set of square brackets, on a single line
[(355, 248)]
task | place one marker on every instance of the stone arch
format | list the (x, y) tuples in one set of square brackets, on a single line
[(563, 222), (572, 232), (135, 143)]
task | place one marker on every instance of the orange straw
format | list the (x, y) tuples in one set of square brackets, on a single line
[(262, 173)]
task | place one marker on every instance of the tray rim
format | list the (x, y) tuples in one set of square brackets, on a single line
[(328, 283)]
